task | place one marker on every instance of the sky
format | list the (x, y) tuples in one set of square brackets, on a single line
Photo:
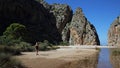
[(101, 13)]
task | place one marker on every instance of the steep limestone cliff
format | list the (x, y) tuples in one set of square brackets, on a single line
[(63, 15), (114, 33), (81, 31)]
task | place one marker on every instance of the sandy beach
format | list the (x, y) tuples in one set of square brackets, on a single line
[(66, 58)]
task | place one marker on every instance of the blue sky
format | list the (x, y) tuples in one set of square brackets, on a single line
[(101, 13)]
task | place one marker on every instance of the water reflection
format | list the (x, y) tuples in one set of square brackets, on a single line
[(104, 60)]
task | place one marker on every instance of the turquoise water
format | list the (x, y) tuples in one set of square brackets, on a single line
[(104, 59)]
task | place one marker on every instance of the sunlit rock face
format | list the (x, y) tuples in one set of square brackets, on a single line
[(63, 15), (81, 31), (114, 33)]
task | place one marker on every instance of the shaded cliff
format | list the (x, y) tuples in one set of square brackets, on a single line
[(33, 15), (81, 31), (114, 32)]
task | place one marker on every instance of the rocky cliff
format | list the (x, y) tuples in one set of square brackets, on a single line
[(114, 32), (48, 22), (81, 31), (63, 15)]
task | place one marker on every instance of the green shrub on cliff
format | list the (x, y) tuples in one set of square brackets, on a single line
[(15, 31)]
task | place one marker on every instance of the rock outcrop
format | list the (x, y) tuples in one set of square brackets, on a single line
[(114, 33), (62, 12), (45, 4), (63, 15), (81, 31), (66, 33)]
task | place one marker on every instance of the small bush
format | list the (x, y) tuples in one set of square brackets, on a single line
[(44, 46), (64, 43), (16, 48), (7, 62), (3, 59), (116, 52), (25, 47), (55, 47), (84, 31), (10, 50)]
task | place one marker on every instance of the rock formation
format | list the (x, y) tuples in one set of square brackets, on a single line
[(66, 33), (48, 22), (114, 33), (81, 31), (63, 15)]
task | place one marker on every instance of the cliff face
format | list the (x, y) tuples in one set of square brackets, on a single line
[(48, 22), (81, 31), (114, 33), (63, 15)]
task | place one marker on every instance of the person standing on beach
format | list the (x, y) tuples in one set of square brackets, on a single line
[(37, 48)]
